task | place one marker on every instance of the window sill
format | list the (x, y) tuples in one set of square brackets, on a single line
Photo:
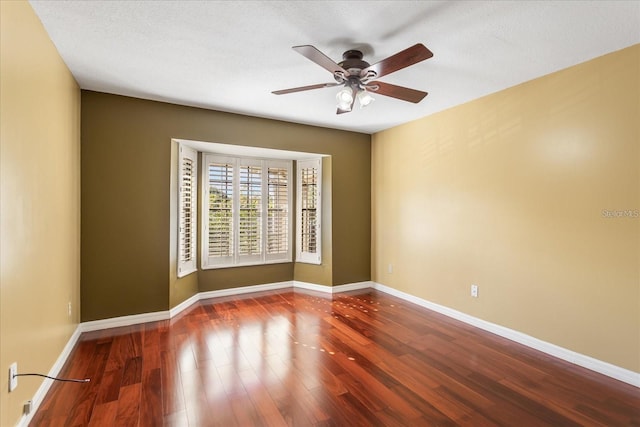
[(247, 264), (186, 273)]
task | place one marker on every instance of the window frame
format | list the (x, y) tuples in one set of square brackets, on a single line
[(236, 259)]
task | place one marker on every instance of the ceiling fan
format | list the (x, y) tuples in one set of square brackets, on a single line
[(357, 75)]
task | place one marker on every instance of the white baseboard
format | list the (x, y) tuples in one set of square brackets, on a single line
[(311, 287), (244, 290), (616, 372), (613, 371), (116, 322), (40, 394), (184, 305), (352, 287), (332, 289)]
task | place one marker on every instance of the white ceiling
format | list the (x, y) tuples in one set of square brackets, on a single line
[(230, 55)]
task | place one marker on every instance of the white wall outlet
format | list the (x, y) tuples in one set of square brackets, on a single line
[(13, 379), (390, 268), (69, 308), (474, 291)]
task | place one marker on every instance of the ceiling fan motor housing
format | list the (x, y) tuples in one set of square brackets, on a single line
[(352, 62)]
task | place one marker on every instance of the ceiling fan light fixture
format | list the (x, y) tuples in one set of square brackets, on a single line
[(345, 98), (364, 98)]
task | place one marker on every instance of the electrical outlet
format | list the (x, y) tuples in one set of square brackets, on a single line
[(474, 291), (390, 268), (13, 379), (69, 308)]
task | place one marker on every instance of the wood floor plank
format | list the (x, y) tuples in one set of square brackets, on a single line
[(151, 398), (172, 396), (176, 419), (200, 411), (129, 405), (104, 414), (262, 401), (539, 395), (109, 387), (298, 358)]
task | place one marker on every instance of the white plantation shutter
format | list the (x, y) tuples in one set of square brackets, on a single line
[(278, 211), (309, 179), (247, 204), (250, 210), (277, 214), (187, 203), (218, 205)]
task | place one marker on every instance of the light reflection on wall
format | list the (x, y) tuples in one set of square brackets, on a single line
[(567, 147)]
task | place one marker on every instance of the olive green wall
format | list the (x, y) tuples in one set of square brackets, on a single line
[(39, 203), (127, 250), (509, 192)]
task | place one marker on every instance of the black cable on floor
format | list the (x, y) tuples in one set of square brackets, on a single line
[(70, 380)]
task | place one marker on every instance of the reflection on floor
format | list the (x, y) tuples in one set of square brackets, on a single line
[(305, 359)]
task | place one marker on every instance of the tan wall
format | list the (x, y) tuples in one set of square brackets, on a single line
[(508, 192), (127, 250), (40, 203)]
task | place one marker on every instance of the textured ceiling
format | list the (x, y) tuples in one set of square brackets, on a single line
[(230, 55)]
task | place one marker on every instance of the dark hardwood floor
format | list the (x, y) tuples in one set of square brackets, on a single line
[(303, 359)]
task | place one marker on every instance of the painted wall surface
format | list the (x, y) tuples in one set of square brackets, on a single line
[(127, 208), (532, 193), (39, 203)]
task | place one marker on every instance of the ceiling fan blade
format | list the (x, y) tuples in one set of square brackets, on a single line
[(400, 60), (398, 92), (320, 58), (302, 88)]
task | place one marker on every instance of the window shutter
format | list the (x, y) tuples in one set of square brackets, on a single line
[(278, 214), (219, 191), (309, 209), (247, 206), (250, 211), (187, 214)]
